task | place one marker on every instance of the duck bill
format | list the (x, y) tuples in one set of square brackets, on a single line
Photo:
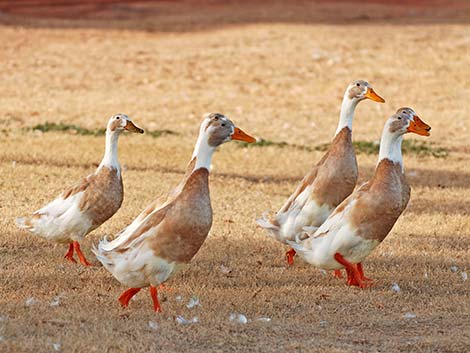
[(240, 135), (370, 94), (419, 127), (132, 128)]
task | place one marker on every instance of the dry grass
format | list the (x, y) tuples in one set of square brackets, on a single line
[(282, 81)]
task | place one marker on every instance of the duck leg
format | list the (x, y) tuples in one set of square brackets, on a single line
[(290, 257), (361, 273), (81, 257), (127, 295), (354, 277), (69, 254), (154, 295)]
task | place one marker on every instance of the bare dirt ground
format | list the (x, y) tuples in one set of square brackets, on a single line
[(279, 71)]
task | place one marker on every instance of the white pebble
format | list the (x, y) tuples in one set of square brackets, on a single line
[(454, 269), (13, 164), (225, 270), (323, 323), (238, 317), (56, 346), (409, 315), (31, 301), (153, 325), (395, 288), (323, 272), (264, 319), (194, 301), (178, 298), (182, 321), (464, 275), (55, 301)]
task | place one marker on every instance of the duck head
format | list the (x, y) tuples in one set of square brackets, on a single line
[(406, 120), (121, 122), (217, 129), (359, 90)]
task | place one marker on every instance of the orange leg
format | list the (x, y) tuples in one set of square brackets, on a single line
[(81, 257), (164, 287), (290, 257), (337, 274), (127, 295), (361, 273), (154, 295), (354, 277), (69, 255)]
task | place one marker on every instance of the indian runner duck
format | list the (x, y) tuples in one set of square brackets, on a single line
[(362, 221), (329, 182), (89, 203), (164, 237)]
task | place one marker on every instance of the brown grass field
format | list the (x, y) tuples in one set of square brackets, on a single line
[(279, 71)]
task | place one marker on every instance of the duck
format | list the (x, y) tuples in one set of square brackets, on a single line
[(86, 205), (166, 236), (328, 183), (363, 220)]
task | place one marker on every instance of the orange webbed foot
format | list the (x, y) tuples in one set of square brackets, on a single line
[(69, 255), (354, 276), (127, 295), (290, 255), (81, 256)]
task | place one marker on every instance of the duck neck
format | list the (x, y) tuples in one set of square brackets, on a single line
[(110, 158), (390, 147), (203, 153), (348, 106)]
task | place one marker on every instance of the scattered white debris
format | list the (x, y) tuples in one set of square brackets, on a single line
[(13, 164), (264, 319), (31, 301), (323, 272), (194, 301), (225, 270), (153, 325), (2, 338), (56, 346), (238, 317), (178, 298), (464, 275), (55, 301), (412, 173), (409, 316), (323, 323), (395, 288), (182, 321), (454, 269), (425, 275)]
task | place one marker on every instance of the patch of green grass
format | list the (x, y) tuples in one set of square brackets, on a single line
[(61, 127), (411, 147)]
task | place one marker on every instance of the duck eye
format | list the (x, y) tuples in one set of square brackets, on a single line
[(399, 118), (118, 118), (223, 124), (358, 84)]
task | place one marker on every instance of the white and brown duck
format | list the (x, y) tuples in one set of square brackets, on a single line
[(362, 221), (329, 182), (89, 203), (164, 237)]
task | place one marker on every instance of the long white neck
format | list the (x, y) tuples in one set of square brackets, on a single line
[(348, 106), (203, 153), (390, 147), (110, 158)]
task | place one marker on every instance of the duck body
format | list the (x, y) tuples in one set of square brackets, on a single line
[(328, 183), (85, 206), (79, 209), (161, 239), (362, 221)]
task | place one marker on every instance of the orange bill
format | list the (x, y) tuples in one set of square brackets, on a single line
[(419, 127), (374, 96), (132, 128), (238, 134)]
